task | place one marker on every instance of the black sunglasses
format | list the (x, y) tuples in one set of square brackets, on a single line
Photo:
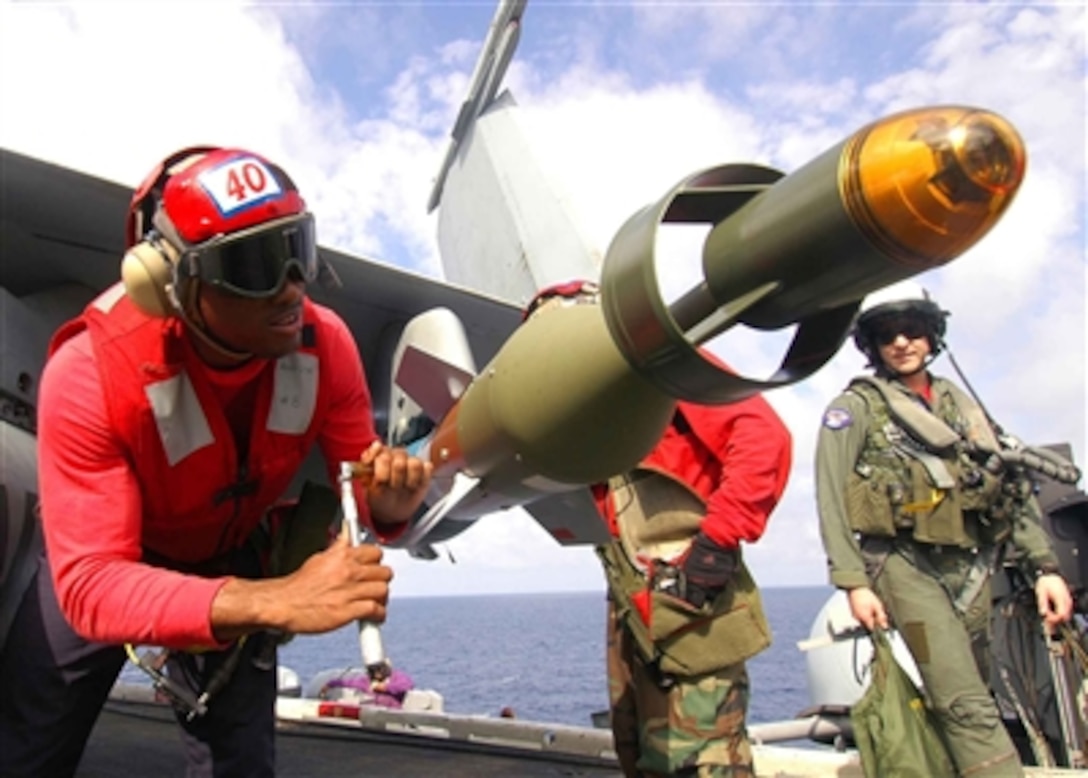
[(911, 328)]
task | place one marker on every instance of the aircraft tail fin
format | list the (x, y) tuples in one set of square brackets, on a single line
[(503, 228), (498, 49)]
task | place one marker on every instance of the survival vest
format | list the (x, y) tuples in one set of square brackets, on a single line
[(657, 510), (921, 471), (200, 499)]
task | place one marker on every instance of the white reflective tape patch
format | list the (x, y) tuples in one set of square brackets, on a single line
[(294, 394), (183, 427), (837, 418), (239, 184)]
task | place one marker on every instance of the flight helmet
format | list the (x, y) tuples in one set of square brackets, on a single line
[(905, 307), (226, 217)]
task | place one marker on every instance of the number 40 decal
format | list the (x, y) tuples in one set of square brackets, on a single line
[(246, 180), (240, 183)]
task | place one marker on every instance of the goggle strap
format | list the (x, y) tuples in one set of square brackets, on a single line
[(327, 276), (165, 227)]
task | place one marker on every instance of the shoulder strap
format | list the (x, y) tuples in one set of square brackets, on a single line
[(920, 423), (979, 430)]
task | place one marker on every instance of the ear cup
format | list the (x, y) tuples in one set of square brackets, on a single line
[(147, 269)]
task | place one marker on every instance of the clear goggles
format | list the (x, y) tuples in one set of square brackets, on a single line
[(255, 262)]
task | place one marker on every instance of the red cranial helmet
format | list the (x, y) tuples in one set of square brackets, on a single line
[(207, 191), (233, 220), (226, 191)]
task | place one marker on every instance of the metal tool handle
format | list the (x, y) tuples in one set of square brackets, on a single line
[(370, 636), (1064, 699)]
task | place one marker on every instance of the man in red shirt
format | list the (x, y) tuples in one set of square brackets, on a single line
[(174, 413), (684, 613)]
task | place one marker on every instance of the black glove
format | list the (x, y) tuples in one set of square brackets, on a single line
[(706, 569)]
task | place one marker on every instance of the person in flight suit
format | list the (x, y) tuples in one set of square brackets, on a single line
[(913, 512)]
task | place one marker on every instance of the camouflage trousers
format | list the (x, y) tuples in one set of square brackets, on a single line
[(675, 726)]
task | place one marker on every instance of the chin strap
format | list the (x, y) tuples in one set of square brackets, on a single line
[(196, 324)]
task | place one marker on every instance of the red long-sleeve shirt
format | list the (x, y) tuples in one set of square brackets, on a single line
[(92, 511), (736, 457)]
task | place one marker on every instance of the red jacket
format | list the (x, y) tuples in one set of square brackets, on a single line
[(736, 457), (138, 461)]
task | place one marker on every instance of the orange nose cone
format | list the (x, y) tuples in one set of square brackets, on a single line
[(925, 185)]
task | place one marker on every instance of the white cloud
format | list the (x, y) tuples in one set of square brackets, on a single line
[(104, 89)]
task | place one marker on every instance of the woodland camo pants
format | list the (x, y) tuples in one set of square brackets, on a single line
[(691, 727)]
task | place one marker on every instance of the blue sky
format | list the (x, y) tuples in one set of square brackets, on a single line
[(620, 101)]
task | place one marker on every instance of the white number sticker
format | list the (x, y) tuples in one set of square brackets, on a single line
[(239, 184)]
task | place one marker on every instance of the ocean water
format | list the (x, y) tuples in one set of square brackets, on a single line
[(543, 654)]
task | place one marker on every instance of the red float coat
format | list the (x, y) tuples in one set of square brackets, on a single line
[(138, 461), (736, 457)]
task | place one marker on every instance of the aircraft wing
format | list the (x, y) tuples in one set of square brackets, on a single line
[(58, 227)]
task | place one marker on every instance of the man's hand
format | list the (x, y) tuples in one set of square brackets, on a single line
[(707, 568), (397, 482), (867, 608), (334, 587), (1053, 599)]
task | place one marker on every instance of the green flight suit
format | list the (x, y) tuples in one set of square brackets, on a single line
[(937, 595)]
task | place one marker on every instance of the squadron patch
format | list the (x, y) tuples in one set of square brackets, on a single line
[(837, 418)]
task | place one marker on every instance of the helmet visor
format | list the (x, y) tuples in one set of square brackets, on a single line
[(256, 262)]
